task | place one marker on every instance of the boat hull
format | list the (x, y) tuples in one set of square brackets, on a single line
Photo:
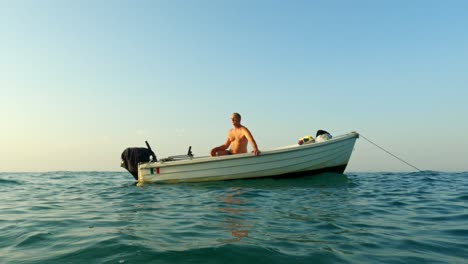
[(292, 161)]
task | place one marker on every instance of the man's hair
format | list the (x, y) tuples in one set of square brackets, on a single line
[(237, 115)]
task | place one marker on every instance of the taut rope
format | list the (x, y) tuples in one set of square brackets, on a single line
[(387, 151)]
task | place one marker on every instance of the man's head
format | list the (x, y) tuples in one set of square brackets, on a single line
[(235, 119)]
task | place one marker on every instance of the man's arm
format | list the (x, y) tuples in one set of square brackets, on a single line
[(251, 140), (222, 147)]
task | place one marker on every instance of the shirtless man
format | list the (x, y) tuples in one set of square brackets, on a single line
[(237, 138)]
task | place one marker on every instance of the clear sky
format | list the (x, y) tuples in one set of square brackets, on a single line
[(82, 80)]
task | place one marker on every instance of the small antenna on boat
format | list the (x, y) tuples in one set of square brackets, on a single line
[(388, 152), (152, 153), (189, 153)]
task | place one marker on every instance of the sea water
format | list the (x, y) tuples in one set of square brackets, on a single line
[(103, 217)]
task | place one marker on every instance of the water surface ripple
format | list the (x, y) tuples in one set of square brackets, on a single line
[(103, 217)]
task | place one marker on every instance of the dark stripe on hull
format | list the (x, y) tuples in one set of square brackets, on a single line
[(336, 169)]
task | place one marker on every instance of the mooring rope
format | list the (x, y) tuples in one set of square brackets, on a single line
[(387, 151)]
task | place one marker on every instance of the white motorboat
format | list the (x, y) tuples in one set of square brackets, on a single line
[(290, 161)]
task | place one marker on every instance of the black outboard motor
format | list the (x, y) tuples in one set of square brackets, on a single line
[(132, 156)]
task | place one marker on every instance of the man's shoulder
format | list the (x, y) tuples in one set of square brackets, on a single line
[(244, 128)]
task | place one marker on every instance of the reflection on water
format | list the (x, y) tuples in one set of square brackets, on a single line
[(236, 223)]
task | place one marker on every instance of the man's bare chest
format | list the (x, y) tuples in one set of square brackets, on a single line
[(237, 136)]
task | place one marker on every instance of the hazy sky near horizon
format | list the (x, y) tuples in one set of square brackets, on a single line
[(82, 80)]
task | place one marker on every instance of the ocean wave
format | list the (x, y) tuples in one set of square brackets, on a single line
[(77, 217), (9, 182)]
